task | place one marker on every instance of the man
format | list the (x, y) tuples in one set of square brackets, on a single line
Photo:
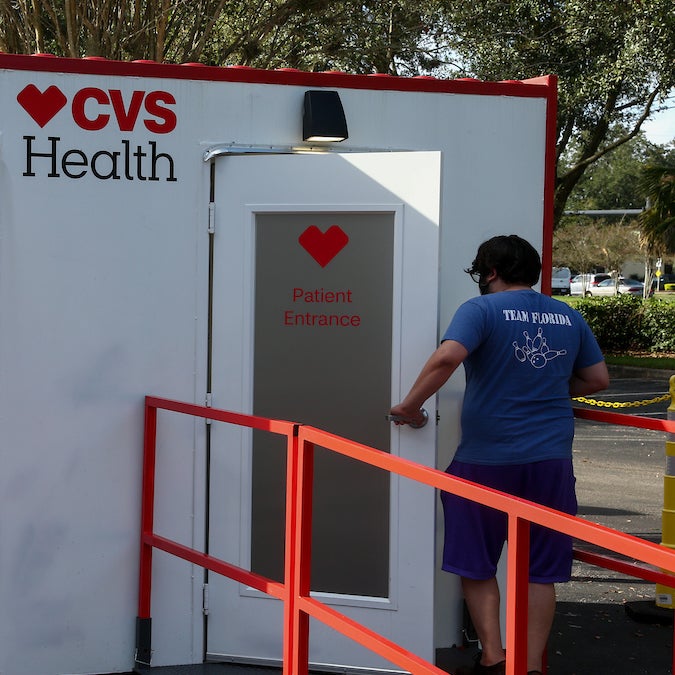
[(525, 355)]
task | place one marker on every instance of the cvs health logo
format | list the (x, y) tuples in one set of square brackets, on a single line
[(94, 109)]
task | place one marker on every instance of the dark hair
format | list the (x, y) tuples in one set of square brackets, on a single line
[(514, 259)]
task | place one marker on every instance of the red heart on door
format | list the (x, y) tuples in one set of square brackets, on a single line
[(323, 246), (41, 105)]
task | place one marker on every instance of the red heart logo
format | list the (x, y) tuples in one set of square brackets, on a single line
[(323, 246), (41, 105)]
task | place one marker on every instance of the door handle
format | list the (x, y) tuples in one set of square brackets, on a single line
[(405, 420)]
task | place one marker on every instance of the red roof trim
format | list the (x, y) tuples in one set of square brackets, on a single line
[(536, 88)]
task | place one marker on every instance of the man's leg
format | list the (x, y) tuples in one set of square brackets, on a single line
[(540, 619), (482, 600)]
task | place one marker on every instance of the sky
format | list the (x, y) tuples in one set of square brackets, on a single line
[(661, 128)]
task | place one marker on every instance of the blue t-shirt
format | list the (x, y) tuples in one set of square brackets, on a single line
[(523, 348)]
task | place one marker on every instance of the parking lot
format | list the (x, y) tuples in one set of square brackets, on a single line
[(620, 469), (619, 484)]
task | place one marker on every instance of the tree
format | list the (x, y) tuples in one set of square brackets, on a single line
[(614, 181), (605, 245), (616, 243), (614, 59), (361, 37), (172, 30), (658, 220), (575, 246)]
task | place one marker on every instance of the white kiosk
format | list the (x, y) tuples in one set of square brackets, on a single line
[(166, 230)]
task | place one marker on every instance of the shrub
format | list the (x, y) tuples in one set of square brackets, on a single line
[(616, 322), (626, 323), (658, 325)]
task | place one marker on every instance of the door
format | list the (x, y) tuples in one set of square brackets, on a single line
[(325, 308)]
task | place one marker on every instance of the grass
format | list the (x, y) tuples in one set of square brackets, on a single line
[(666, 362), (572, 300)]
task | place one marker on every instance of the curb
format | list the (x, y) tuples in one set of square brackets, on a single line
[(637, 372)]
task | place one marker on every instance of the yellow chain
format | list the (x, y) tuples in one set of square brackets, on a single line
[(627, 404)]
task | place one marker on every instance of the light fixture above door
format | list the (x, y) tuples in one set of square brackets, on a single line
[(323, 118)]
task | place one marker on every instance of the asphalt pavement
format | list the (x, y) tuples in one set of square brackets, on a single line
[(606, 622)]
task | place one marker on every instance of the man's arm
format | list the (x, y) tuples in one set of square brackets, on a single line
[(589, 380), (435, 373)]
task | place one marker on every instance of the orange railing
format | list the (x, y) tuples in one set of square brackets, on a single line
[(299, 606)]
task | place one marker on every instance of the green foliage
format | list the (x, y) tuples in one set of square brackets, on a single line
[(614, 59), (615, 180), (639, 360), (396, 36), (615, 321), (658, 221), (658, 326), (625, 323), (626, 178)]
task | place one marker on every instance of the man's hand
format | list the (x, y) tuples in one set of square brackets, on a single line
[(435, 373), (415, 418)]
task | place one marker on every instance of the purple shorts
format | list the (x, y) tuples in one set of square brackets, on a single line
[(475, 534)]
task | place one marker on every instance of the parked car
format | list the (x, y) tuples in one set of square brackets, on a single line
[(610, 287), (665, 279), (560, 281), (582, 283)]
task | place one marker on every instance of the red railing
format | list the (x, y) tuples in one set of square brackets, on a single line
[(299, 606)]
